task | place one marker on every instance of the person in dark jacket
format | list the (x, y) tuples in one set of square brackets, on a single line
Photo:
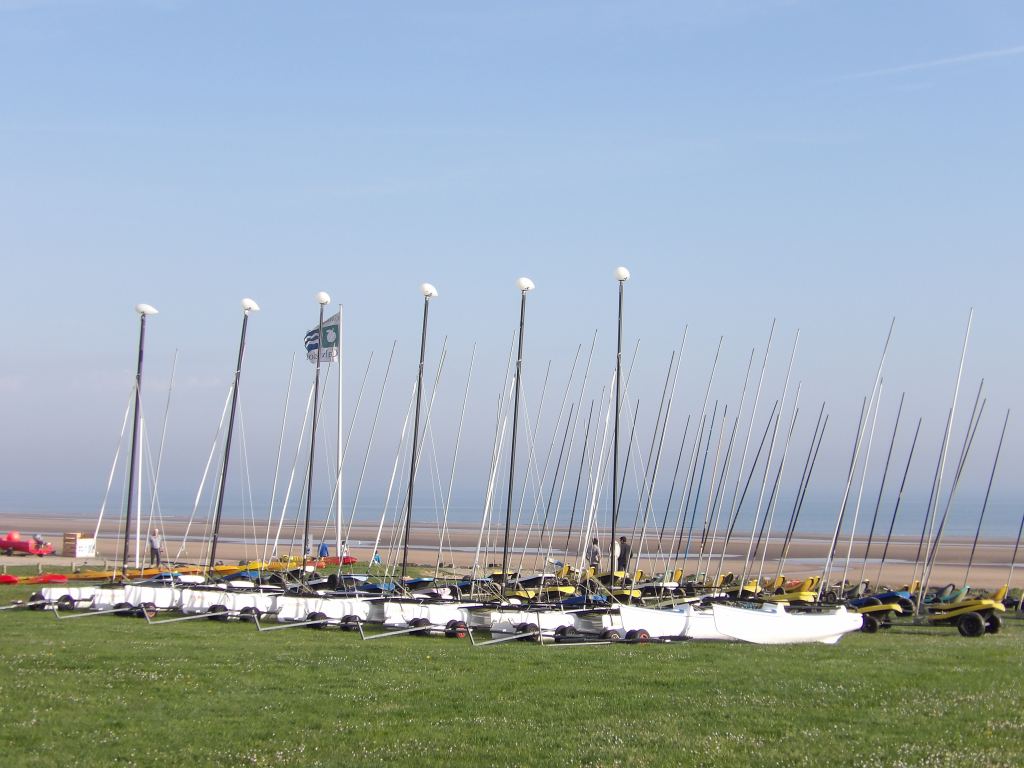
[(625, 551), (594, 554)]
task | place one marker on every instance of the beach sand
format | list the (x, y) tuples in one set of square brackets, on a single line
[(805, 557)]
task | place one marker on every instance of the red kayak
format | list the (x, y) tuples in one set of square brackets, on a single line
[(6, 578), (46, 578), (323, 562)]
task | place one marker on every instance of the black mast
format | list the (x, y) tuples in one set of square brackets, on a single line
[(248, 305), (322, 299), (622, 275), (525, 285), (429, 292), (144, 310)]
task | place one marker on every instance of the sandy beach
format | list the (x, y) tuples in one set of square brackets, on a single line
[(806, 554)]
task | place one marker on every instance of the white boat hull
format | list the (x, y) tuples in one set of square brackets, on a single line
[(774, 625), (163, 597), (299, 607), (80, 594), (104, 598), (681, 622), (507, 622), (399, 614)]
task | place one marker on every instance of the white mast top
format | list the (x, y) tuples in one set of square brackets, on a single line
[(322, 297), (146, 309), (429, 291), (524, 284), (248, 305), (621, 274)]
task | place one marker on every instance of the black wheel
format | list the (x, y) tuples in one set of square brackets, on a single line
[(566, 631), (871, 601), (37, 602), (65, 603), (9, 552), (421, 622), (217, 612), (906, 604), (830, 596), (642, 636), (123, 609), (529, 631), (993, 623), (971, 625), (456, 629), (349, 623), (631, 635), (780, 591), (611, 634), (869, 624), (318, 620), (147, 610), (249, 613)]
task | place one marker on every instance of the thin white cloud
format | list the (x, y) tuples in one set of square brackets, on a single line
[(966, 58)]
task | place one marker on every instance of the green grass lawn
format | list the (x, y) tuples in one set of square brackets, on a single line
[(107, 690)]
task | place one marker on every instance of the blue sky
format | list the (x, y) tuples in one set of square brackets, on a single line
[(829, 165)]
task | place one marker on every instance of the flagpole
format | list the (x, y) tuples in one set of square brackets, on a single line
[(322, 299), (144, 311), (248, 305)]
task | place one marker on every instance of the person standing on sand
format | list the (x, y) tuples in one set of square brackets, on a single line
[(594, 555), (624, 553), (155, 545)]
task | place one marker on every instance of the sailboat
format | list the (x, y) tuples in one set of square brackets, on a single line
[(106, 597)]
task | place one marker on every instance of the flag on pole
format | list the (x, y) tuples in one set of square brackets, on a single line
[(329, 345)]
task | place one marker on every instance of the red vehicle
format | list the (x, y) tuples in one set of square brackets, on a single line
[(12, 543)]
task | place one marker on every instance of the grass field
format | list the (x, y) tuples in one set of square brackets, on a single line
[(114, 691)]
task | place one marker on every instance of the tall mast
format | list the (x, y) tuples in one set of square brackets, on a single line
[(429, 292), (248, 305), (341, 445), (934, 504), (525, 285), (144, 311), (621, 275), (988, 492), (323, 299)]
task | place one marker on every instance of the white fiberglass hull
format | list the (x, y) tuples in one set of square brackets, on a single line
[(162, 596), (198, 600), (774, 625), (299, 607), (399, 614), (684, 621), (105, 598), (82, 595), (507, 622)]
